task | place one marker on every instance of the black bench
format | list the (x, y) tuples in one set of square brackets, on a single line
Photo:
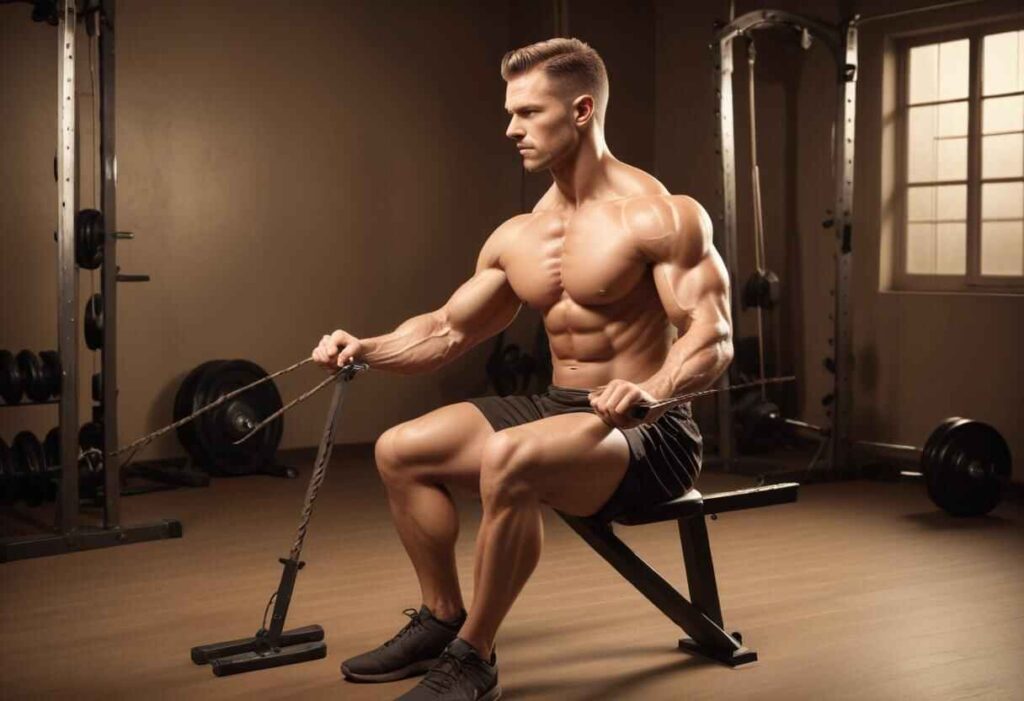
[(701, 616)]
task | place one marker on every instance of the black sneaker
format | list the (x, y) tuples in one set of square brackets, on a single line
[(460, 675), (415, 649)]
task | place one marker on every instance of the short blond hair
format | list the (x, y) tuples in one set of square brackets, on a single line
[(569, 61)]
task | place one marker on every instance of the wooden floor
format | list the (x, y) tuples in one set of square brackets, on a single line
[(858, 591)]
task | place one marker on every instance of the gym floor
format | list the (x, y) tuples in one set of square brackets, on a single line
[(859, 590)]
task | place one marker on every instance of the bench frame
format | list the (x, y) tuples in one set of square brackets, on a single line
[(700, 617)]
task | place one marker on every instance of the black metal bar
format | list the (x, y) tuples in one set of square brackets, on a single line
[(700, 569), (20, 548), (29, 403), (709, 636), (768, 495), (106, 25), (283, 599)]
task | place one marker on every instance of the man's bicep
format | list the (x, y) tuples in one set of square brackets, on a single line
[(482, 306)]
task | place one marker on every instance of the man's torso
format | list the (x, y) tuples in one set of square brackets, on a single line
[(589, 272)]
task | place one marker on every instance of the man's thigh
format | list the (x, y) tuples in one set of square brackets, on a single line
[(444, 445), (575, 461)]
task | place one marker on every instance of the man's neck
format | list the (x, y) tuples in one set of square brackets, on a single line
[(585, 175)]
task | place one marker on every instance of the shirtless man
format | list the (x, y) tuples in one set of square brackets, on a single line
[(635, 303)]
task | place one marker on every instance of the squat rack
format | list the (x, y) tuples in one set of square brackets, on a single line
[(841, 40), (70, 534)]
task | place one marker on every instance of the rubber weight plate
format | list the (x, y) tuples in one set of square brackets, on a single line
[(89, 239), (33, 381), (11, 386), (184, 404), (94, 322), (217, 430), (967, 468)]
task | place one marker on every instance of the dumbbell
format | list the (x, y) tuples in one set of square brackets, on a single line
[(31, 482), (90, 467), (36, 376)]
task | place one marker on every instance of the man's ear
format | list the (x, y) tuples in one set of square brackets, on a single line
[(583, 110)]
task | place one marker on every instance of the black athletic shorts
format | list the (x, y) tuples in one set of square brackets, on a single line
[(664, 457)]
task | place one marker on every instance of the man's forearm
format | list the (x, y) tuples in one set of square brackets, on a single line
[(421, 344), (694, 362)]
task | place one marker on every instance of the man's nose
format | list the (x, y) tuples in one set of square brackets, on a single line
[(514, 130)]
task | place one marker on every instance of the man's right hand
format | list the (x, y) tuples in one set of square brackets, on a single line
[(336, 350)]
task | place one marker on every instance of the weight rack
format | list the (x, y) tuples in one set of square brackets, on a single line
[(841, 41), (70, 534)]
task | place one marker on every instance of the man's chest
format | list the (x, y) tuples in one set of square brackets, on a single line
[(588, 256)]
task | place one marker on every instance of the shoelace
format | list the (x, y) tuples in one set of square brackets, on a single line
[(445, 673), (409, 627)]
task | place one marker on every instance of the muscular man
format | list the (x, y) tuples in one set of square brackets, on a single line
[(635, 303)]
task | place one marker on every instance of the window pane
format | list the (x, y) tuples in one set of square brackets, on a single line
[(951, 201), (954, 69), (921, 204), (921, 144), (951, 156), (1002, 248), (951, 249), (924, 74), (953, 119), (1003, 57), (921, 249), (1002, 114), (1002, 200), (1002, 156)]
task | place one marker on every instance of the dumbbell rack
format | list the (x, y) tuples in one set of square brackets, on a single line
[(70, 533)]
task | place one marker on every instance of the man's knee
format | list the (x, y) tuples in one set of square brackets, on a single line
[(507, 468), (388, 464), (405, 451)]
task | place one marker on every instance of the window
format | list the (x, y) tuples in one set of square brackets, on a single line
[(961, 168)]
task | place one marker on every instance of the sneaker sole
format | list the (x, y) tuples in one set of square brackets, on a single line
[(408, 671)]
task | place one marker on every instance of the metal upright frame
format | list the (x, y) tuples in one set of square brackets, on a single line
[(842, 43), (70, 533)]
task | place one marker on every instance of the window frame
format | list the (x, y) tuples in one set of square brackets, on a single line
[(972, 280)]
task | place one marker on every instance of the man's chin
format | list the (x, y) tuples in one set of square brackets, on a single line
[(534, 165)]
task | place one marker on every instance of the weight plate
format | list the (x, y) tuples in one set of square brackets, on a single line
[(28, 464), (11, 385), (217, 430), (32, 378), (934, 440), (89, 237), (969, 466), (51, 449), (184, 401), (90, 436), (94, 322)]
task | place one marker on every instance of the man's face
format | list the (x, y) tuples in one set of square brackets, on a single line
[(542, 123)]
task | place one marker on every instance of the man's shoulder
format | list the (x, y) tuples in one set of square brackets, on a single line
[(667, 226), (498, 241)]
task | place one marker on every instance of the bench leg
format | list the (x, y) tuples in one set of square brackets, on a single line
[(700, 570), (708, 638)]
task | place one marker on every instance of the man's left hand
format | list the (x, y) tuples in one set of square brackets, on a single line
[(613, 402)]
